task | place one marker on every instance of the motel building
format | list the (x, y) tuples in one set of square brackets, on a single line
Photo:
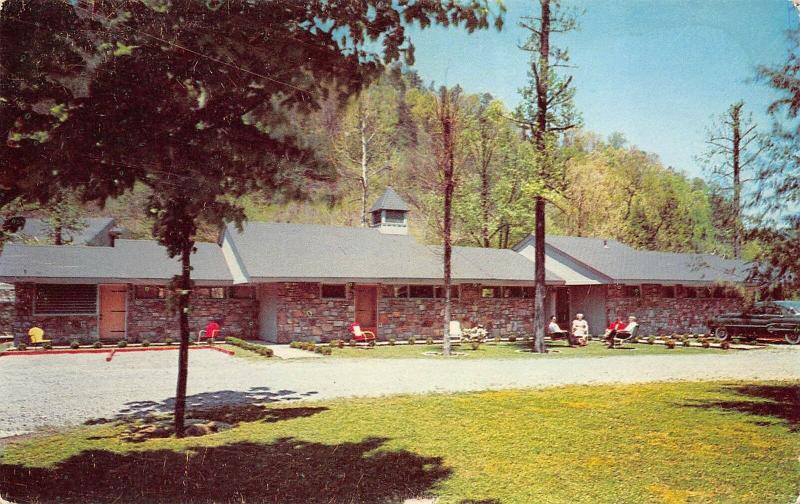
[(281, 282)]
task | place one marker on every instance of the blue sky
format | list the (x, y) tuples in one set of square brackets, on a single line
[(655, 70)]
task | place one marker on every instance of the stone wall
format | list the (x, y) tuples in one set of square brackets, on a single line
[(303, 315), (404, 317), (147, 319), (661, 315), (7, 310), (151, 319), (61, 329)]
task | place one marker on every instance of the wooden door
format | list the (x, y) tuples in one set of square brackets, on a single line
[(113, 312), (366, 305), (562, 306)]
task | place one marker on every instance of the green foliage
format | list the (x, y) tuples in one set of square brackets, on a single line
[(47, 345), (651, 340), (512, 339), (145, 342), (252, 347), (168, 341), (122, 343), (392, 342), (22, 346), (74, 344), (429, 340), (97, 344), (670, 343), (475, 345), (411, 340)]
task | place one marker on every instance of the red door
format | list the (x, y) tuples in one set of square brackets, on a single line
[(366, 305)]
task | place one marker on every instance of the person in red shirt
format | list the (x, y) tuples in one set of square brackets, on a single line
[(212, 330), (612, 329)]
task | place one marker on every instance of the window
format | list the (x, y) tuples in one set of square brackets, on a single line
[(395, 217), (529, 292), (490, 292), (150, 292), (334, 291), (632, 291), (217, 293), (53, 299), (453, 292), (513, 292), (400, 291), (667, 291), (242, 292), (691, 292), (420, 291), (376, 218)]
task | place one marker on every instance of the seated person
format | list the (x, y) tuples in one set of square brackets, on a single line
[(580, 330), (553, 330), (620, 329)]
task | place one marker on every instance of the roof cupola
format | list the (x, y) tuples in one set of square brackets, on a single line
[(390, 213)]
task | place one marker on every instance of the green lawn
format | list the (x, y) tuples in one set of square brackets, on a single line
[(512, 351), (657, 443)]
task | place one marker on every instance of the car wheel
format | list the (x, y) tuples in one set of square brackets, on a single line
[(721, 333), (793, 338)]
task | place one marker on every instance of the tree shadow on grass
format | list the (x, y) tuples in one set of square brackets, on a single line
[(207, 401), (776, 401), (285, 471)]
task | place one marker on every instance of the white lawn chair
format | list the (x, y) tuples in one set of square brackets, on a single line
[(456, 334)]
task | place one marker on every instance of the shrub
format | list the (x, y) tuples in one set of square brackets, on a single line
[(74, 344), (371, 343), (22, 347), (340, 343), (684, 338), (333, 343), (705, 342), (47, 345), (392, 341), (687, 342), (725, 345), (412, 340), (429, 340), (651, 340), (122, 343), (145, 342), (168, 341), (317, 349), (475, 344), (97, 344), (293, 344), (352, 342), (326, 351), (497, 339), (259, 349), (670, 343), (512, 339)]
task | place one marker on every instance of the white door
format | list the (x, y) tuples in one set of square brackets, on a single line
[(268, 312)]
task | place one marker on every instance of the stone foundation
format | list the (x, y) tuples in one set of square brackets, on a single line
[(659, 315)]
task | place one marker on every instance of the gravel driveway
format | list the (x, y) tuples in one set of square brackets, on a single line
[(58, 390)]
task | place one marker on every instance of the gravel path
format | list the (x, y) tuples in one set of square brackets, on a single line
[(58, 390)]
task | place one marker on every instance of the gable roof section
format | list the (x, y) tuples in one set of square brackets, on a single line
[(129, 261), (623, 264), (94, 233), (310, 252), (389, 200)]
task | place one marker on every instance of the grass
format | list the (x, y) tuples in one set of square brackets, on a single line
[(657, 443), (490, 350)]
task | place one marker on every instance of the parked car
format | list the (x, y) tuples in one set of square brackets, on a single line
[(767, 319)]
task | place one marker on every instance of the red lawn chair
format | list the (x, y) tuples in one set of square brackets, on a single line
[(359, 335)]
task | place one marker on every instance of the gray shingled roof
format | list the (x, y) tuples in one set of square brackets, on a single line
[(94, 233), (135, 261), (389, 200), (621, 263), (309, 252)]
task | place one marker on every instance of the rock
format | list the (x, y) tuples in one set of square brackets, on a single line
[(197, 430)]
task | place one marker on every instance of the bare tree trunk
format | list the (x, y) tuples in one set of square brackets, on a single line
[(485, 205), (446, 117), (541, 148), (58, 233), (183, 351), (364, 175), (737, 180)]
